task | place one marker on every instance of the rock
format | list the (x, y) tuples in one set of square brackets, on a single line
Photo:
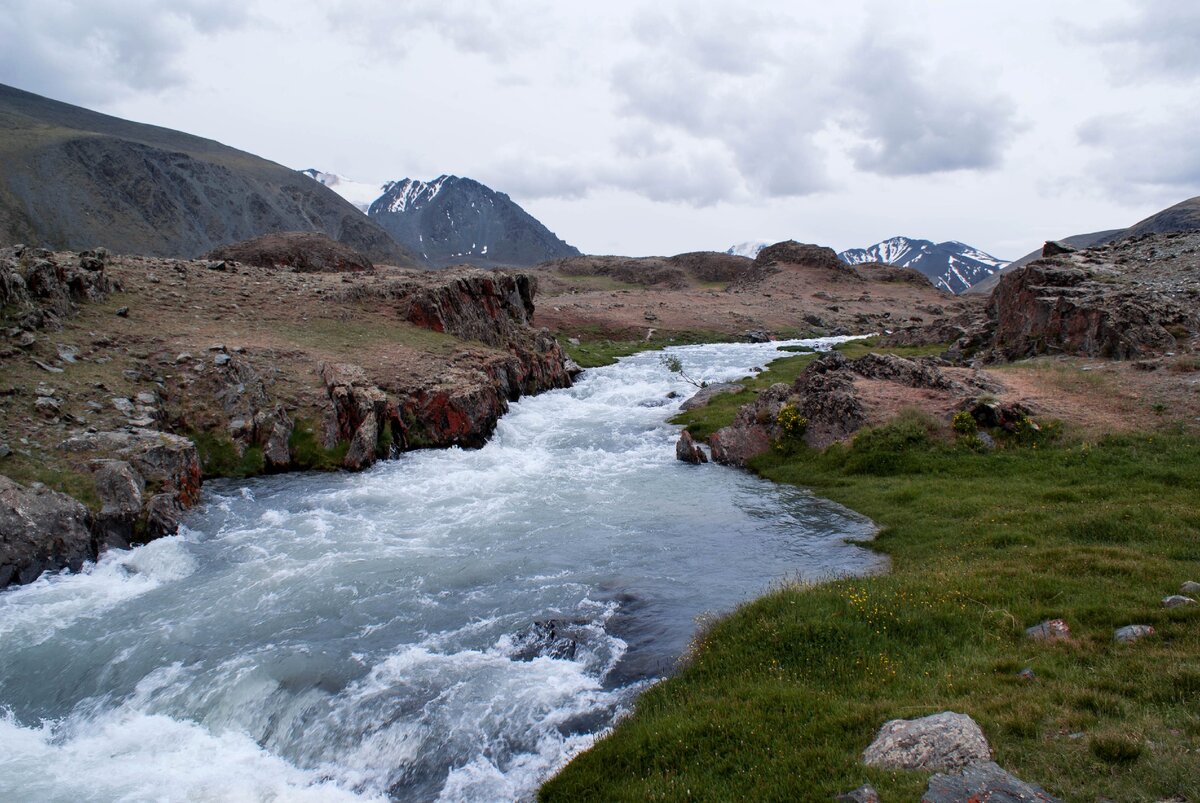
[(361, 453), (863, 794), (123, 406), (146, 398), (5, 450), (945, 741), (1027, 674), (687, 450), (708, 392), (221, 359), (983, 781), (303, 252), (166, 462), (572, 368), (277, 449), (68, 354), (756, 336), (986, 440), (1190, 587), (41, 530), (122, 312), (48, 407), (1049, 630), (1176, 600), (219, 265), (1132, 633), (794, 253), (26, 340), (552, 638), (1053, 248), (120, 489), (163, 513)]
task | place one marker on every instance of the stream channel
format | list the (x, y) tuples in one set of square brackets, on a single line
[(451, 625)]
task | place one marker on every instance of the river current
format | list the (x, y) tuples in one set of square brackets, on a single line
[(452, 625)]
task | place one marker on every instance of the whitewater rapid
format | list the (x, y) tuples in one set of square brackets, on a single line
[(368, 636)]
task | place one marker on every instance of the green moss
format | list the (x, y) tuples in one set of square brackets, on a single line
[(61, 478), (308, 453), (219, 456)]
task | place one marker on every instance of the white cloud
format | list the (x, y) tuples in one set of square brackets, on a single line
[(1157, 157)]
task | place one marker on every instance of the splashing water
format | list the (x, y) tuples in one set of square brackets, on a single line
[(452, 625)]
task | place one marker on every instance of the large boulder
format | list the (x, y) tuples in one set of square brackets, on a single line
[(120, 489), (41, 530), (687, 451), (793, 253), (168, 463), (945, 741)]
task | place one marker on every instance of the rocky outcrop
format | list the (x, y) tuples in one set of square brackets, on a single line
[(1136, 298), (493, 307), (41, 530), (167, 463), (836, 397), (945, 741), (301, 251), (360, 411), (39, 289), (794, 253)]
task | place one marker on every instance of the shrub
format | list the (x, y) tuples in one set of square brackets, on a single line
[(884, 449), (964, 423), (792, 427)]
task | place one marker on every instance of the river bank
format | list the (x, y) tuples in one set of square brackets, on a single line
[(779, 699)]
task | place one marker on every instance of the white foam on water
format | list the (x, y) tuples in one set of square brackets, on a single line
[(329, 637)]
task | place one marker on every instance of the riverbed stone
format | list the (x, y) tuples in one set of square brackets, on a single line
[(687, 451), (945, 741), (983, 781)]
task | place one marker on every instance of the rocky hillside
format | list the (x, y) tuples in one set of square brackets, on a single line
[(458, 221), (1137, 298), (1183, 216), (951, 265), (71, 178), (125, 380)]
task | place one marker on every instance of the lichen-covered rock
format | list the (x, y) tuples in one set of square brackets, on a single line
[(945, 741), (167, 462), (360, 408), (984, 782), (863, 794), (41, 530), (1177, 600)]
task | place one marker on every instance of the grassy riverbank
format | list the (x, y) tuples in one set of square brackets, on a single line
[(778, 699)]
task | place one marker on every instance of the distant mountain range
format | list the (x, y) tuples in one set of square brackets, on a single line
[(73, 178), (952, 266)]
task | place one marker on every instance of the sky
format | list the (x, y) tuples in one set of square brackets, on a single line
[(660, 127)]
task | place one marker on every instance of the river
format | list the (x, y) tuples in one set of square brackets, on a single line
[(452, 625)]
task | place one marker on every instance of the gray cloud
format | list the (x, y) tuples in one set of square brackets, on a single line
[(497, 30), (91, 50), (1145, 157), (914, 126), (1159, 38)]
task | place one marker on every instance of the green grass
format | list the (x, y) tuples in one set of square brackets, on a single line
[(778, 699), (219, 456), (54, 475), (308, 453)]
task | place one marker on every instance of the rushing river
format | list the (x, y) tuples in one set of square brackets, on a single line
[(452, 625)]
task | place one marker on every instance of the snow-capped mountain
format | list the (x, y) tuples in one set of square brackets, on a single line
[(452, 220), (747, 249), (951, 265), (356, 192)]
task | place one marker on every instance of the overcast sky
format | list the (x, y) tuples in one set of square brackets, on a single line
[(659, 127)]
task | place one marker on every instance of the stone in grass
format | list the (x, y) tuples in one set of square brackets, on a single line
[(1027, 674), (1132, 633), (1190, 587), (983, 781), (1175, 600), (1049, 630), (863, 794), (945, 741)]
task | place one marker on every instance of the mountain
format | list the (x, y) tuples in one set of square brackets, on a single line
[(1183, 216), (951, 265), (452, 221), (73, 178), (358, 193), (749, 248)]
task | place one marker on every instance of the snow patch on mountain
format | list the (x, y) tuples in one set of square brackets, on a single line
[(951, 265), (358, 193), (750, 248)]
